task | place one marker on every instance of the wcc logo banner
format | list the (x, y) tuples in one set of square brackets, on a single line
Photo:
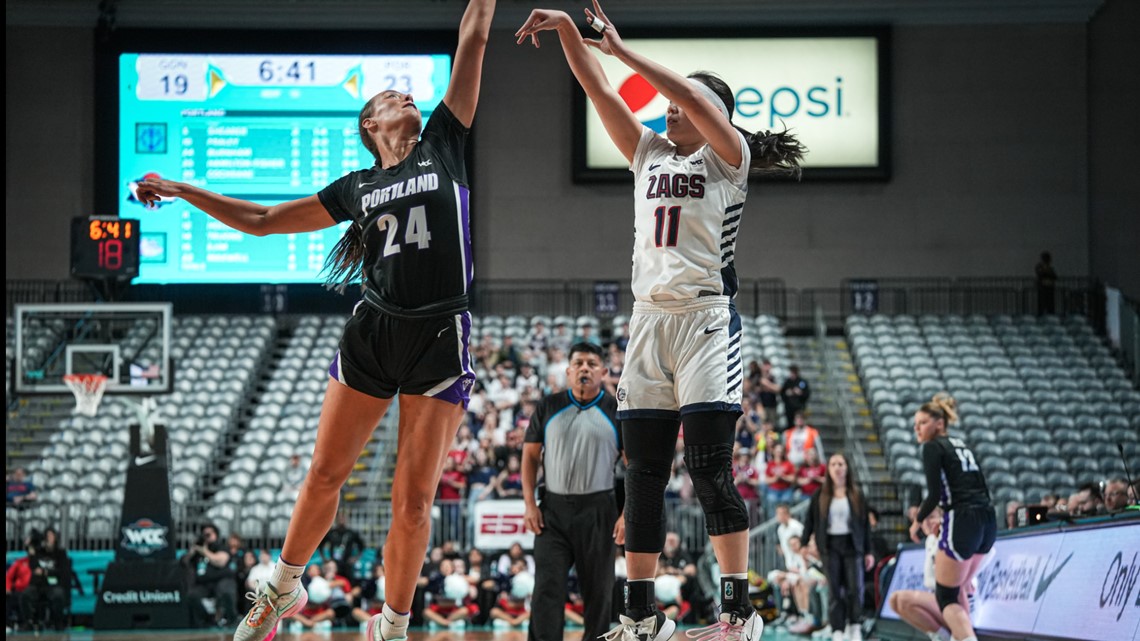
[(825, 89)]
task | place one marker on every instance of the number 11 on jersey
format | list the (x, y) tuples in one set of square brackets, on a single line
[(674, 215)]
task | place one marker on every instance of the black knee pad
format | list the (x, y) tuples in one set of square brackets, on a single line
[(946, 595), (645, 482), (710, 467)]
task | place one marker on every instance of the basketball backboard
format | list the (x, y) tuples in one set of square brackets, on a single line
[(127, 342)]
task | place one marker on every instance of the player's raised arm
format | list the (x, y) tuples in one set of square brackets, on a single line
[(714, 126), (295, 216), (620, 123), (466, 75)]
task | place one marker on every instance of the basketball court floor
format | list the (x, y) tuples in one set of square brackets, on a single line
[(475, 634)]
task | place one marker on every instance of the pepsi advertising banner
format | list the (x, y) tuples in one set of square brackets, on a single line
[(829, 91), (1068, 583)]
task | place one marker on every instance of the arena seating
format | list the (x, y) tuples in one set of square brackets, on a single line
[(228, 373), (1042, 401), (83, 465), (251, 497), (763, 335)]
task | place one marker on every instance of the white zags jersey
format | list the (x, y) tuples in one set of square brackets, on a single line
[(686, 215)]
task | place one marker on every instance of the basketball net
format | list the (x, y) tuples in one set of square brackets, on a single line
[(88, 390)]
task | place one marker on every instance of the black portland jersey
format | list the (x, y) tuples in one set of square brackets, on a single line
[(953, 478), (415, 219)]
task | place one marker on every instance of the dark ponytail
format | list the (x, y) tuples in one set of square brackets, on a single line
[(773, 154), (345, 264)]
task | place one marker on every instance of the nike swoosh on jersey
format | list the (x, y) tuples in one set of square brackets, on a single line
[(425, 163), (143, 460), (652, 167), (363, 185), (710, 330), (441, 332)]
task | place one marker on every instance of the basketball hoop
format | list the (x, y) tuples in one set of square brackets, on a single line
[(88, 390)]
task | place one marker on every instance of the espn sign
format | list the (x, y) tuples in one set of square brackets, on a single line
[(501, 524)]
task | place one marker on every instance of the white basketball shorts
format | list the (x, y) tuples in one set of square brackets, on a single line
[(683, 357)]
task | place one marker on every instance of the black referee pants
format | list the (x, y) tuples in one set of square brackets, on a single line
[(579, 532)]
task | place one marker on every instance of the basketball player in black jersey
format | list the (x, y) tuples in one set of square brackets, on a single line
[(410, 241), (969, 527)]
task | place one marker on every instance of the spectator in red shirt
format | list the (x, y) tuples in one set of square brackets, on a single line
[(463, 445), (342, 597), (452, 483), (747, 480), (810, 476), (779, 476), (16, 580)]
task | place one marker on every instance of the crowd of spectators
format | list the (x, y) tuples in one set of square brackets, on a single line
[(1091, 499)]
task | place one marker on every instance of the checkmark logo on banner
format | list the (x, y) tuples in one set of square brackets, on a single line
[(1047, 579)]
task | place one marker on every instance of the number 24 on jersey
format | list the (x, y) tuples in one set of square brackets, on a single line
[(416, 234)]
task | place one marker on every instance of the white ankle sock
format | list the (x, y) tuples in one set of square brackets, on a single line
[(969, 638), (394, 624), (286, 577)]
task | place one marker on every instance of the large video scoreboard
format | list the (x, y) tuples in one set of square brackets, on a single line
[(262, 127)]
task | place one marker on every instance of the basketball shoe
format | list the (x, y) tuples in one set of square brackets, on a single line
[(731, 626), (652, 628), (268, 608), (384, 626)]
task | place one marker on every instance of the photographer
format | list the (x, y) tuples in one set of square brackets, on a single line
[(208, 560)]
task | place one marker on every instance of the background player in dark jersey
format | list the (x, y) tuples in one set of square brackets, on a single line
[(574, 438), (410, 242), (954, 482), (683, 357)]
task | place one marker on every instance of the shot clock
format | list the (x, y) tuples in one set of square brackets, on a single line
[(104, 248)]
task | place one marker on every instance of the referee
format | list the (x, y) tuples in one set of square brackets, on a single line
[(574, 437)]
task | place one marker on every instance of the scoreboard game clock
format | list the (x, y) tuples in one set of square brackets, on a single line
[(104, 248)]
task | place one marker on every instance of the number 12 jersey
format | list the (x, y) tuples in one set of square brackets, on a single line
[(953, 478)]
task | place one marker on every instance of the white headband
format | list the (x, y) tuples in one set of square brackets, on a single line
[(711, 96)]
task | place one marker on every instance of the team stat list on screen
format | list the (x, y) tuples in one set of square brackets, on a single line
[(265, 128)]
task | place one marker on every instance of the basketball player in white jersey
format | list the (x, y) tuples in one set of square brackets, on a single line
[(683, 358)]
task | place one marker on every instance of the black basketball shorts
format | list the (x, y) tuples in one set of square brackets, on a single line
[(381, 355), (967, 531)]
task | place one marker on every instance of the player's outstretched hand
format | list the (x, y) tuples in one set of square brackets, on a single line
[(610, 41), (541, 20), (152, 190)]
